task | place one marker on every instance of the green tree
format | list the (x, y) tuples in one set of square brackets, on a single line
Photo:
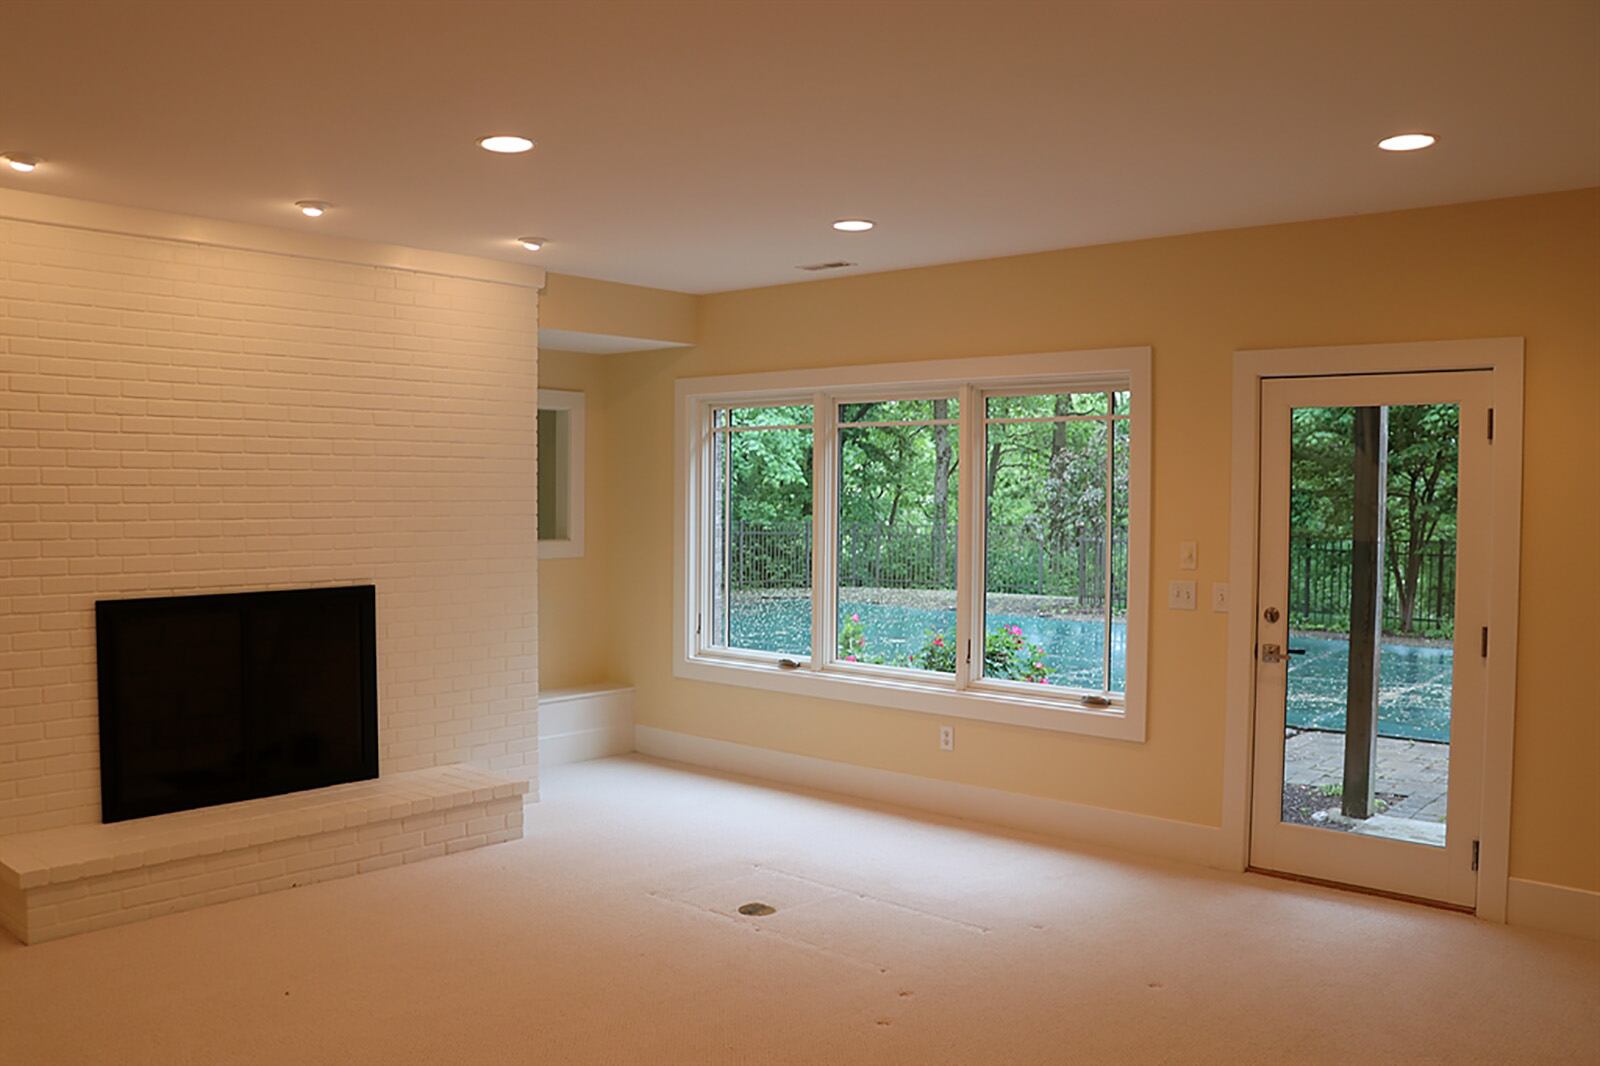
[(1420, 505)]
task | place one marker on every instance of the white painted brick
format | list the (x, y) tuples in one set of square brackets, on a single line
[(92, 880), (381, 862), (306, 422), (151, 893), (309, 860), (378, 831), (90, 905), (357, 852), (441, 834), (402, 842), (465, 843), (330, 873)]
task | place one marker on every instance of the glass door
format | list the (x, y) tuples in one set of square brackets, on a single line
[(1369, 628)]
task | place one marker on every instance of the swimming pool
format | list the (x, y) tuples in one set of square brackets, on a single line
[(1413, 680)]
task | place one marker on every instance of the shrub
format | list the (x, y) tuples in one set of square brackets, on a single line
[(1006, 653), (853, 642)]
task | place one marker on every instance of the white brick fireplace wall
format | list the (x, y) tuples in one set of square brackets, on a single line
[(185, 415)]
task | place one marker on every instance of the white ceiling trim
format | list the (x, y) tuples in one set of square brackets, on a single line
[(571, 340), (20, 206)]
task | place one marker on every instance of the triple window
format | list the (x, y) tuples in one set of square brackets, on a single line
[(978, 541)]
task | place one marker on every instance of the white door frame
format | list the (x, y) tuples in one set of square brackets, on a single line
[(1503, 356)]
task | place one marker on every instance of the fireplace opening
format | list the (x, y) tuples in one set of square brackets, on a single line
[(220, 698)]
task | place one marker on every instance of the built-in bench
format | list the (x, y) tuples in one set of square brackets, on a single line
[(576, 724), (57, 882)]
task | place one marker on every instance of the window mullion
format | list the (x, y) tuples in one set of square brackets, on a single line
[(1110, 538), (969, 506), (824, 526)]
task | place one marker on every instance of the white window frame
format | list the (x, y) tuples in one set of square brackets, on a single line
[(570, 546), (962, 695)]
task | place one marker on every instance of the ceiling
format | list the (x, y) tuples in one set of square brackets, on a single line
[(707, 146)]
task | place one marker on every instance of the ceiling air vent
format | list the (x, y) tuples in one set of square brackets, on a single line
[(838, 264)]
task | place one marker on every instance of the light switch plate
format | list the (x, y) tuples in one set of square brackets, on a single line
[(1188, 556), (1219, 596), (1180, 595)]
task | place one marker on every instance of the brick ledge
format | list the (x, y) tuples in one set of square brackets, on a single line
[(58, 856)]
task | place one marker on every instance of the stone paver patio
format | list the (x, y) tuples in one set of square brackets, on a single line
[(1416, 770)]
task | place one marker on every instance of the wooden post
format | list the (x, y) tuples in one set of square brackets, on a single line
[(1366, 609)]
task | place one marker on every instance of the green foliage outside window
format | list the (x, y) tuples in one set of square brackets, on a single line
[(1006, 653)]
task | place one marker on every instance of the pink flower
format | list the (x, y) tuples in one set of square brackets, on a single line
[(1016, 631), (849, 658), (938, 642), (855, 618)]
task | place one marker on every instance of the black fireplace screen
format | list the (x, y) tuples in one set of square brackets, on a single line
[(213, 699)]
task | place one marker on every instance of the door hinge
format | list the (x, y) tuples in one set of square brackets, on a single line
[(1483, 649), (1474, 855), (1491, 423)]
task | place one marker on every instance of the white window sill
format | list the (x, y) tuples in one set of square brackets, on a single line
[(1055, 714)]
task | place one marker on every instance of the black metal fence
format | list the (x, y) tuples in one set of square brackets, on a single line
[(908, 557), (1319, 587), (778, 556)]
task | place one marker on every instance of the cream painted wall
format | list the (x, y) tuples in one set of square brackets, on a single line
[(575, 602), (1523, 267), (585, 305)]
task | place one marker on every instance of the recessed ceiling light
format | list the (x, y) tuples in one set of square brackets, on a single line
[(532, 244), (312, 208), (505, 143), (854, 225), (1407, 142), (22, 164)]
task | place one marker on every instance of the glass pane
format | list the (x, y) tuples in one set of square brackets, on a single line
[(785, 415), (897, 545), (1122, 436), (900, 410), (1393, 780), (1048, 405), (761, 540), (1047, 616), (554, 460)]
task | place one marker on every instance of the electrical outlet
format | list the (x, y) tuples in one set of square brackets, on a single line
[(1219, 596), (1180, 595), (1188, 556), (947, 738)]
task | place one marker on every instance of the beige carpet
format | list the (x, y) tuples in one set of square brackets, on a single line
[(609, 935)]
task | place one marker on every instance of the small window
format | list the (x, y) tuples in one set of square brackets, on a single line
[(560, 474)]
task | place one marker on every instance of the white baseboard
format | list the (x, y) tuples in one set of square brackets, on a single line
[(584, 723), (1555, 908), (1144, 834)]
